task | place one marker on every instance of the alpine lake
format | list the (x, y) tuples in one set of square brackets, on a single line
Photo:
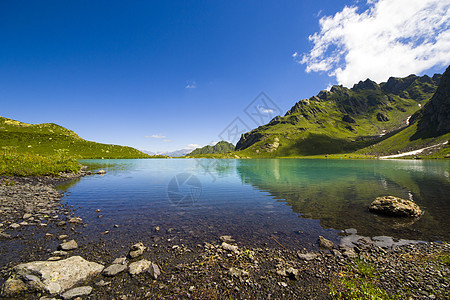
[(260, 201)]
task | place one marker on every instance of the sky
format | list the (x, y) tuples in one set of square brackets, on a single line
[(167, 75)]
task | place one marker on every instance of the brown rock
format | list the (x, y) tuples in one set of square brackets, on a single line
[(394, 206)]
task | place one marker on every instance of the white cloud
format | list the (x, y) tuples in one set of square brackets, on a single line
[(191, 85), (155, 136), (193, 146), (265, 110), (390, 38)]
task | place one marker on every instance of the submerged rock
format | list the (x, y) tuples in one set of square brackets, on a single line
[(154, 271), (394, 206), (324, 243), (50, 276), (70, 245)]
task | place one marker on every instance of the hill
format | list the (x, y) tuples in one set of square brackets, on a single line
[(50, 139), (219, 148), (342, 120)]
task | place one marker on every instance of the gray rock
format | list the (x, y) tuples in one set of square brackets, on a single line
[(77, 292), (394, 206), (27, 216), (227, 238), (229, 247), (154, 271), (114, 269), (235, 272), (139, 266), (50, 276), (102, 283), (324, 243), (70, 245), (59, 253), (137, 250), (14, 225), (307, 256), (4, 236), (349, 252), (75, 220), (120, 261), (63, 236)]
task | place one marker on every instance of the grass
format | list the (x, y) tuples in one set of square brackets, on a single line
[(33, 165), (359, 283), (49, 139)]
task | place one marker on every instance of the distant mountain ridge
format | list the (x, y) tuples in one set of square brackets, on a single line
[(50, 139), (344, 120), (219, 148)]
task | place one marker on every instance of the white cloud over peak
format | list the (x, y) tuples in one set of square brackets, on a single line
[(390, 38), (193, 146), (155, 136)]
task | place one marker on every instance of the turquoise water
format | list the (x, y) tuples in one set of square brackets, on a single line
[(291, 201)]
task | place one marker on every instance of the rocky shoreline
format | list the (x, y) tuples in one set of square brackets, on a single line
[(38, 230)]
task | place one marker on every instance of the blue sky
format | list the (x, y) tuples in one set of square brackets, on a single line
[(161, 75)]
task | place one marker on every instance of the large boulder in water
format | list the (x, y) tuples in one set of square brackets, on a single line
[(394, 206), (50, 276)]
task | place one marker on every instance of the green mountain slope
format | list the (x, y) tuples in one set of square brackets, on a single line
[(219, 148), (429, 126), (341, 120), (50, 139)]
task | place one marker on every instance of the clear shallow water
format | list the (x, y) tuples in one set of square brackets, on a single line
[(288, 201)]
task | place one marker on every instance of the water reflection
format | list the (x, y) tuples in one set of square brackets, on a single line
[(338, 192)]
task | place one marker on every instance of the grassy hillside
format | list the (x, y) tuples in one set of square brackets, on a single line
[(220, 147), (341, 120), (50, 139)]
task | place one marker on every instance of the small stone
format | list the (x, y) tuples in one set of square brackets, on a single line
[(307, 256), (101, 172), (227, 239), (24, 223), (137, 250), (61, 223), (154, 271), (229, 247), (63, 236), (70, 245), (120, 261), (98, 210), (116, 226), (157, 229), (114, 269), (54, 258), (139, 266), (4, 236), (27, 216), (75, 220), (77, 292), (102, 283), (235, 272), (59, 253), (14, 225), (324, 243)]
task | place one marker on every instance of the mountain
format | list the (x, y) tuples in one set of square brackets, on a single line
[(49, 139), (176, 153), (219, 148), (344, 120), (428, 128)]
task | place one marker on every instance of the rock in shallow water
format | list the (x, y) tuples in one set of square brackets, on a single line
[(324, 243), (50, 276), (77, 292), (70, 245), (394, 206)]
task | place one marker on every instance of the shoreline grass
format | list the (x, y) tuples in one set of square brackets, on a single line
[(15, 164)]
